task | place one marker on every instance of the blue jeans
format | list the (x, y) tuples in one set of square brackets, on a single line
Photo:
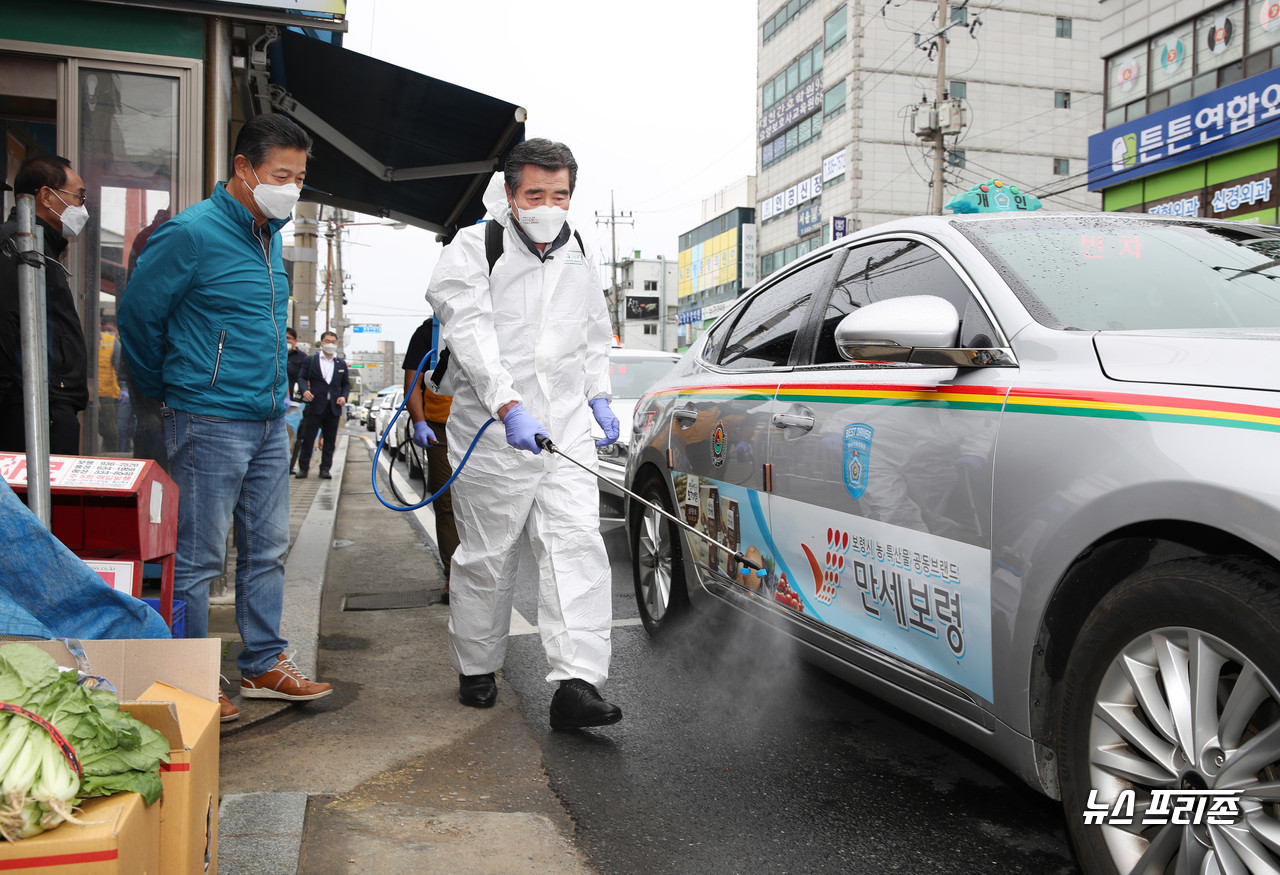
[(226, 467)]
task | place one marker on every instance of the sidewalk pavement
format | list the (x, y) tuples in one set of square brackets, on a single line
[(389, 773)]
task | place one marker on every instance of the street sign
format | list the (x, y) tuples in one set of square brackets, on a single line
[(366, 329)]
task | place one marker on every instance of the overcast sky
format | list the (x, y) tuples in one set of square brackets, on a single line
[(656, 100)]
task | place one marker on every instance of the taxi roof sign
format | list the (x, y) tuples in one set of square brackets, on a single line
[(994, 196)]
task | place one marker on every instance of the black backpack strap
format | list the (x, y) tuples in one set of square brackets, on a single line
[(493, 242)]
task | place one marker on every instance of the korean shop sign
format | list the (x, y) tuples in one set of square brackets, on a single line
[(1229, 118)]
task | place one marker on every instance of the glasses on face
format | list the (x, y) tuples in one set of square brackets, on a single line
[(84, 198)]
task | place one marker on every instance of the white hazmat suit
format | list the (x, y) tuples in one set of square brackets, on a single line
[(535, 331)]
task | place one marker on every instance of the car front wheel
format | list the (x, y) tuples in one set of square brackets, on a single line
[(1169, 722), (657, 563)]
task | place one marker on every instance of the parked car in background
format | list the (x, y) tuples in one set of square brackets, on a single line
[(387, 416), (631, 373), (375, 407), (1015, 474)]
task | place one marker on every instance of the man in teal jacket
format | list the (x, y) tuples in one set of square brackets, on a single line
[(202, 323)]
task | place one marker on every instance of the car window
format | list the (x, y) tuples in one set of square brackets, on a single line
[(765, 329), (895, 269), (1120, 271)]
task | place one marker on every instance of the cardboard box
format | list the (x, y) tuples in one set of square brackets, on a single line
[(118, 835), (189, 807), (172, 686), (132, 665)]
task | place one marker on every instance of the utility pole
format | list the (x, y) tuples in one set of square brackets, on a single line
[(339, 323), (613, 221), (939, 147)]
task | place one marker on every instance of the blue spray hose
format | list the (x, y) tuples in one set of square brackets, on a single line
[(413, 387)]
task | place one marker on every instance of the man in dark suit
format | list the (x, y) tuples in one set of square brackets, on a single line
[(325, 386)]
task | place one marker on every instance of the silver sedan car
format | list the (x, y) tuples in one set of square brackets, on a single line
[(1015, 474)]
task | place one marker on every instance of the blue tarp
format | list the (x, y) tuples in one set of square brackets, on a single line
[(47, 592)]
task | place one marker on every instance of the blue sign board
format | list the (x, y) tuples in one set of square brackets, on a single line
[(1224, 120), (366, 329), (839, 227), (808, 219)]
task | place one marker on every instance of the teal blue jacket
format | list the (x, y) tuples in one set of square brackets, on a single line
[(202, 319)]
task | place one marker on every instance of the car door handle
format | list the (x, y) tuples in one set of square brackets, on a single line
[(686, 416), (802, 421)]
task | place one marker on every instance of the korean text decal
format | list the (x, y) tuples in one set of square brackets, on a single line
[(924, 598)]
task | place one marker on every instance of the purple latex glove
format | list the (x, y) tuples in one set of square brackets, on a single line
[(607, 421), (522, 429), (423, 436)]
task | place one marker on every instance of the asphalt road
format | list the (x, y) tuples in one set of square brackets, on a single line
[(736, 756)]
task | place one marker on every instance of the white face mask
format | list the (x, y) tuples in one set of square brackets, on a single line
[(330, 348), (275, 201), (543, 223), (73, 218)]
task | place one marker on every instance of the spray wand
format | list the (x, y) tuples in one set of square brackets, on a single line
[(740, 559)]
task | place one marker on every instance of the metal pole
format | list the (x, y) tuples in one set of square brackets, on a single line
[(339, 321), (218, 110), (35, 363), (939, 145), (662, 303)]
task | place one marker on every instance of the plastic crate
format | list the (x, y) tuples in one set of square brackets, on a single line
[(178, 627)]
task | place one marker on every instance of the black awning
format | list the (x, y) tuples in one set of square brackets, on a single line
[(388, 141)]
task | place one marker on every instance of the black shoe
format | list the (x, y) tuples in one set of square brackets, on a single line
[(301, 475), (577, 704), (477, 690), (325, 475)]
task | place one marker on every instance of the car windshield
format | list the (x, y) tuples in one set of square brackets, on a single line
[(632, 377), (1124, 273)]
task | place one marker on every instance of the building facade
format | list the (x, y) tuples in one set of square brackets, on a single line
[(649, 316), (842, 86), (1192, 114)]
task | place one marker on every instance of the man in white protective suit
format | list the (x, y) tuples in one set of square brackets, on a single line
[(529, 346)]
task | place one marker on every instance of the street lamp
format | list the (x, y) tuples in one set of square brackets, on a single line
[(335, 230)]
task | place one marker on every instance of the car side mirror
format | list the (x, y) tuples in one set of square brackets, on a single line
[(918, 330), (891, 330)]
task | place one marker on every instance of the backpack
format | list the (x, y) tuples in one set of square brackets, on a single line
[(493, 244)]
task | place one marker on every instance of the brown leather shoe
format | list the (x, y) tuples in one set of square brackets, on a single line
[(284, 681), (229, 711)]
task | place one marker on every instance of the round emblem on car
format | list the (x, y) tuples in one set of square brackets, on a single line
[(717, 445)]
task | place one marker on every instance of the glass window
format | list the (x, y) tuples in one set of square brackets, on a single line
[(766, 98), (834, 30), (1171, 57), (955, 157), (897, 269), (128, 158), (833, 101), (1130, 274), (1264, 24), (1061, 166), (793, 78), (1126, 78), (765, 330), (793, 139), (958, 89), (1062, 99), (960, 14), (1062, 28), (1220, 37)]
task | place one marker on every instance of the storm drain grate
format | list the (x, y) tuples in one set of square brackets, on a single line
[(387, 601)]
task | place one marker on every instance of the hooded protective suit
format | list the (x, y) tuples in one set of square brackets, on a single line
[(535, 331)]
